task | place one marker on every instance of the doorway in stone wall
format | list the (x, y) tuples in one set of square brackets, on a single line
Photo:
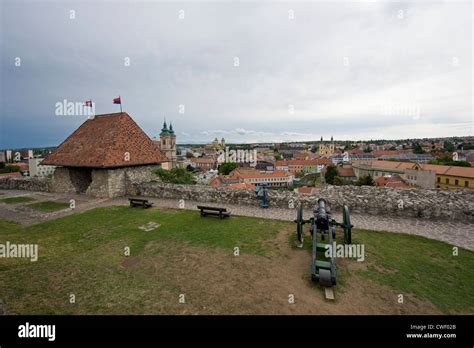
[(81, 178)]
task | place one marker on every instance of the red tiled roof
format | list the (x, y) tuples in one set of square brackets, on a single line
[(21, 165), (11, 174), (378, 153), (307, 190), (345, 172), (103, 142), (312, 162), (465, 172), (241, 185), (249, 174), (356, 151), (391, 181)]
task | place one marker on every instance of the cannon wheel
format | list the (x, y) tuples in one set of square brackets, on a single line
[(325, 278), (347, 225), (299, 225)]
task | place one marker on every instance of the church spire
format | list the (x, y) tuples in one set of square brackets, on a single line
[(164, 130), (171, 129)]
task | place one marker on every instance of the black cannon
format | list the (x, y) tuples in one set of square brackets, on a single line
[(323, 270)]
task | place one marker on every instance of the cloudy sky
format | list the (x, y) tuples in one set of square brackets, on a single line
[(247, 71)]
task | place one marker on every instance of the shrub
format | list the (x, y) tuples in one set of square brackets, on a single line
[(175, 176)]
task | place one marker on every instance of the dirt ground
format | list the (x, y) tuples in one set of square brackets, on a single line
[(215, 282)]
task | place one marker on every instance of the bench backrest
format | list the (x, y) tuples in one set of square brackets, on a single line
[(211, 208)]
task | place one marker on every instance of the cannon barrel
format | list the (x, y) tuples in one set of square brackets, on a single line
[(321, 215)]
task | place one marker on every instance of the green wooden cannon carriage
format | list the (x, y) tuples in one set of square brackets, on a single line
[(323, 269)]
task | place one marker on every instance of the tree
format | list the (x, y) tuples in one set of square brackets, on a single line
[(331, 173), (189, 155), (226, 167), (299, 175), (9, 169), (175, 176), (338, 181), (277, 157), (448, 146), (417, 149), (365, 180), (448, 161)]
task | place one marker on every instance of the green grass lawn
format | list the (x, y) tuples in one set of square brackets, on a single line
[(421, 266), (49, 206), (82, 254), (414, 265), (16, 200)]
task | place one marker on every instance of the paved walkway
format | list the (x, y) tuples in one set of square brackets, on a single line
[(453, 232), (456, 233)]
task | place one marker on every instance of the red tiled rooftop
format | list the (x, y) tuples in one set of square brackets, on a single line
[(21, 165), (390, 181), (378, 153), (241, 185), (312, 162), (11, 174), (345, 172), (248, 174), (306, 190), (103, 142)]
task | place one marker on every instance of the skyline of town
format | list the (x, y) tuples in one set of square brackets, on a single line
[(246, 71), (206, 139)]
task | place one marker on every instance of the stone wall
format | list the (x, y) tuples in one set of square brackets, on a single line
[(100, 182), (418, 203), (62, 181), (429, 204), (26, 183), (95, 182)]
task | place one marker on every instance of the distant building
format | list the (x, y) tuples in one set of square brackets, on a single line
[(204, 178), (167, 145), (326, 149), (36, 169), (276, 178), (421, 175), (351, 157), (391, 181), (304, 166), (265, 165), (346, 173), (408, 156), (204, 163), (216, 145), (22, 166)]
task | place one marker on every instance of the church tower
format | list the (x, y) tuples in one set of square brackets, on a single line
[(168, 144)]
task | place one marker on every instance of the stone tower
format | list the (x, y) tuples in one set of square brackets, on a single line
[(168, 144)]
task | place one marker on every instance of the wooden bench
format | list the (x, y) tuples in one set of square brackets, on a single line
[(221, 212), (138, 202)]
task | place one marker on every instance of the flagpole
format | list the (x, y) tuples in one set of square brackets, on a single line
[(120, 103)]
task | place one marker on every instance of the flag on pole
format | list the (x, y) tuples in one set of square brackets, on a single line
[(118, 101), (88, 103)]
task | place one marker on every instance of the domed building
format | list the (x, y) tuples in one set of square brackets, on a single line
[(216, 145)]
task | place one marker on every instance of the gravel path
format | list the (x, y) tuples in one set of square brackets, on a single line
[(454, 232)]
